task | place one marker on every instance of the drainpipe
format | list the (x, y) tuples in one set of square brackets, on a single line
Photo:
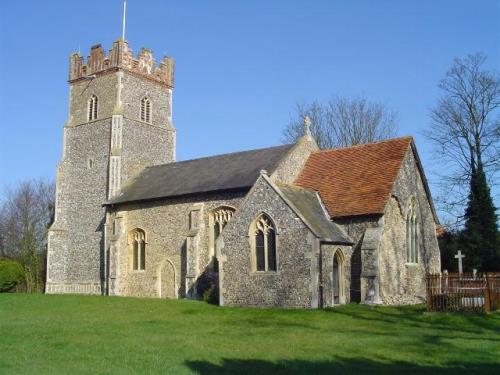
[(320, 275), (104, 282)]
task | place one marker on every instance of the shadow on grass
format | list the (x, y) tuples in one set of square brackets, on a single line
[(337, 366), (416, 316)]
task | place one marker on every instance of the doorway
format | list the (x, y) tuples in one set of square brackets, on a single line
[(337, 278), (167, 287)]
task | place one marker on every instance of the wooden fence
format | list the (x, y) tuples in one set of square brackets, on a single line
[(466, 292)]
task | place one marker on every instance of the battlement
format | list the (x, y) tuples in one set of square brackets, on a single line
[(121, 57)]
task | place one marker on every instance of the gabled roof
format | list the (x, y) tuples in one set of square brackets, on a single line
[(235, 171), (307, 204), (356, 180)]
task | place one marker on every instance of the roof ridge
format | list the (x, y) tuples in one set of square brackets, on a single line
[(296, 187), (408, 137), (219, 155), (277, 186)]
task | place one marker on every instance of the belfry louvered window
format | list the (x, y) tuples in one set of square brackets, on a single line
[(92, 108), (146, 110)]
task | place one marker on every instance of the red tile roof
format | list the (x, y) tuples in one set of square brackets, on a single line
[(355, 180)]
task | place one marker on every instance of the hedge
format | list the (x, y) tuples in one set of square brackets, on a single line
[(11, 273)]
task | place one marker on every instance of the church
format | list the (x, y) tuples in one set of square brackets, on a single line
[(289, 226)]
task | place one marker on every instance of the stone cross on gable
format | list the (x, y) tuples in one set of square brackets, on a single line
[(307, 125), (460, 256)]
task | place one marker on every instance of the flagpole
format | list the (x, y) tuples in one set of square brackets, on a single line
[(123, 22)]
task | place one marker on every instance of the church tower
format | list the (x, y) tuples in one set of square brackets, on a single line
[(119, 122)]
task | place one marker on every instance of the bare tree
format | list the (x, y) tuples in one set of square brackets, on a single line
[(343, 122), (25, 215), (465, 129), (3, 253)]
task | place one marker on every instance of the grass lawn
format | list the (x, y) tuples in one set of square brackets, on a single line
[(47, 334)]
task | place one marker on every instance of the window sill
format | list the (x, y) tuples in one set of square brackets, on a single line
[(263, 273), (138, 271), (411, 264)]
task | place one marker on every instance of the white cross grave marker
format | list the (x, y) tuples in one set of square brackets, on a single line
[(459, 256)]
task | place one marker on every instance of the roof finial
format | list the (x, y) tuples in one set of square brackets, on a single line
[(307, 125), (124, 16)]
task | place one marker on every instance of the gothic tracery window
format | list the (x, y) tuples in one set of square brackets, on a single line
[(220, 218), (92, 108), (412, 231), (146, 110), (264, 244), (138, 249)]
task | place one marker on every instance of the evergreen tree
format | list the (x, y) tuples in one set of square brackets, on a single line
[(448, 247), (479, 239)]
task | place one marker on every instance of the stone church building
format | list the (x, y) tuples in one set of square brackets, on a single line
[(286, 226)]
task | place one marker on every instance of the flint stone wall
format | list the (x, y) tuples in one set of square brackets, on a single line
[(401, 282), (356, 227), (145, 144), (381, 274), (171, 237), (293, 284), (75, 238), (291, 165)]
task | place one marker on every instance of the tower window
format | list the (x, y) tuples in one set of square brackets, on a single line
[(146, 110), (92, 108)]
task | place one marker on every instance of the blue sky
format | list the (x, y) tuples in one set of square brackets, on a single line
[(240, 66)]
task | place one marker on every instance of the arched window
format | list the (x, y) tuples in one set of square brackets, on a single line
[(92, 108), (412, 231), (137, 240), (264, 244), (146, 110), (218, 220), (338, 278)]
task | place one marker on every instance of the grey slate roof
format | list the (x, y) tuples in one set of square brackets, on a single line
[(309, 206), (233, 171)]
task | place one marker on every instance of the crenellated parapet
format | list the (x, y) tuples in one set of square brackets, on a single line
[(121, 57)]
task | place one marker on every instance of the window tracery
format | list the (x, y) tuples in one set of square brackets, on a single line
[(220, 217), (138, 249), (264, 244), (412, 233)]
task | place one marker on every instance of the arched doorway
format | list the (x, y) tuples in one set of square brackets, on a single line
[(338, 278), (167, 287)]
